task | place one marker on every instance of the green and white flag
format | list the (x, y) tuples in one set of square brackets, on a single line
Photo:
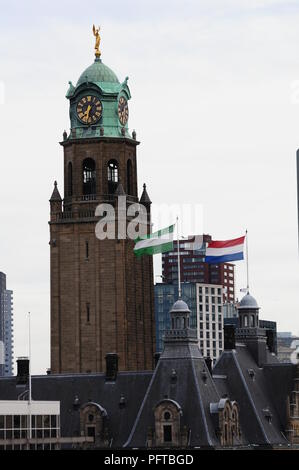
[(158, 242)]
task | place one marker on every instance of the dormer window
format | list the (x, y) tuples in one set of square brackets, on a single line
[(167, 424), (228, 428), (167, 433), (93, 423)]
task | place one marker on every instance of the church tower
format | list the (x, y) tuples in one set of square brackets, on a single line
[(101, 294)]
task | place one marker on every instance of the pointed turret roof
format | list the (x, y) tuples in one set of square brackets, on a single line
[(145, 197), (55, 195)]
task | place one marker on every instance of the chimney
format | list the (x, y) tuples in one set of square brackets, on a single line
[(229, 337), (111, 366), (22, 370), (271, 343), (208, 362)]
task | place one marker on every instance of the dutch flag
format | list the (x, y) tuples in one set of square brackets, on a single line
[(224, 251)]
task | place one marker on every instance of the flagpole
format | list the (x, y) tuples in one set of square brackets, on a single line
[(30, 394), (179, 261), (247, 266)]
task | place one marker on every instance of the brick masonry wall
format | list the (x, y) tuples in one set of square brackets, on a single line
[(112, 283)]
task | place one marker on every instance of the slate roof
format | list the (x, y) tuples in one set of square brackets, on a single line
[(259, 391), (193, 390), (182, 376), (88, 387)]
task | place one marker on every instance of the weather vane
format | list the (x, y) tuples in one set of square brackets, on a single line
[(96, 33)]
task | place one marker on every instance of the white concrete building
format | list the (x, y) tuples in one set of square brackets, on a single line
[(209, 299), (29, 425)]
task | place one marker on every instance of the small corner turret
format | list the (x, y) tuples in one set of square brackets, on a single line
[(55, 202), (180, 330)]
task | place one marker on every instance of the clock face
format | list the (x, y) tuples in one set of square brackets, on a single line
[(89, 109), (123, 110)]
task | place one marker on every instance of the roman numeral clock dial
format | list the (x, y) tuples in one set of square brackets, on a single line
[(123, 110), (89, 109)]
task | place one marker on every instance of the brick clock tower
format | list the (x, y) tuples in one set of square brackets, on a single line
[(101, 294)]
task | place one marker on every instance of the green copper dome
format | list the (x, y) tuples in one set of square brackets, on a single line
[(97, 73)]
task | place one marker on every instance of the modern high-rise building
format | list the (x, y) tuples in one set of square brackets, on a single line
[(205, 303), (165, 296), (6, 328), (210, 320), (102, 295), (194, 269)]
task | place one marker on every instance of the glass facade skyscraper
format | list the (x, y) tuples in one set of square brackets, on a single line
[(165, 297)]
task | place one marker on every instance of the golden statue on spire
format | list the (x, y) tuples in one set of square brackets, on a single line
[(96, 33)]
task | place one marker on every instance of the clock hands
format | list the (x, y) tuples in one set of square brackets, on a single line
[(86, 113)]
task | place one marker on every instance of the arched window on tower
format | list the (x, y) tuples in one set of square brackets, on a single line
[(112, 169), (129, 177), (89, 176), (70, 179)]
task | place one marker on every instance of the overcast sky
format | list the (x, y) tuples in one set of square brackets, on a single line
[(215, 103)]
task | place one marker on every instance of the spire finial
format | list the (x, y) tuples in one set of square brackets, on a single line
[(96, 33), (145, 197), (55, 194)]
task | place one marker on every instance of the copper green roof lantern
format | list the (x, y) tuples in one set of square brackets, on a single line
[(98, 102)]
